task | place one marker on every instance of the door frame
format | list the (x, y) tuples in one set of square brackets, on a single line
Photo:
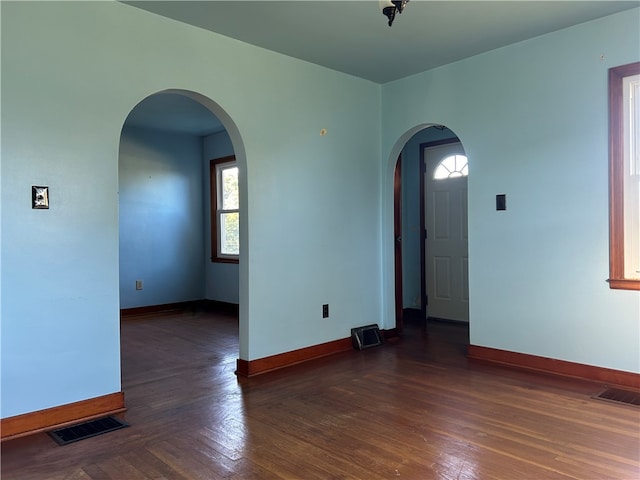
[(397, 243)]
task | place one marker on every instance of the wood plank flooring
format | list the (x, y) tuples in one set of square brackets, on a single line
[(414, 408)]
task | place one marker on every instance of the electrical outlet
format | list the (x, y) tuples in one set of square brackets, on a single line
[(325, 310), (138, 284)]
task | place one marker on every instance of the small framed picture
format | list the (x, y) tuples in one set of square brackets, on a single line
[(39, 197)]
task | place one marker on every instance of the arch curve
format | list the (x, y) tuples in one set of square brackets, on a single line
[(238, 146), (415, 137)]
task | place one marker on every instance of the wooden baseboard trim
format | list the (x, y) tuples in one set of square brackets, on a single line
[(558, 367), (167, 307), (61, 416), (251, 368), (213, 305), (224, 307), (448, 320), (390, 333)]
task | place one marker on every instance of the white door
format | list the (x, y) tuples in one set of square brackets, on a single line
[(446, 258)]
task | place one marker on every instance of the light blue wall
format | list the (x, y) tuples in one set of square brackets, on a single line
[(318, 224), (533, 120), (411, 264), (161, 217), (222, 279), (311, 231)]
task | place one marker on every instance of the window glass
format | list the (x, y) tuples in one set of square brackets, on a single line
[(452, 167), (229, 233), (229, 182), (631, 184)]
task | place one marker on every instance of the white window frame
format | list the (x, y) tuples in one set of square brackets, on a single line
[(216, 168)]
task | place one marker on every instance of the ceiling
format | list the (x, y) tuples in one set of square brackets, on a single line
[(353, 36)]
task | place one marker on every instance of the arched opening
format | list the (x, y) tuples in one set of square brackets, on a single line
[(167, 143), (432, 219)]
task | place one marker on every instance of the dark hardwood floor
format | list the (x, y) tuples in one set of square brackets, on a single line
[(414, 408)]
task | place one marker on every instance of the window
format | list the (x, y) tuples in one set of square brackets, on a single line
[(451, 167), (624, 177), (225, 210)]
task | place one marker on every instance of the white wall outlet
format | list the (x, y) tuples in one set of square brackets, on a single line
[(138, 284)]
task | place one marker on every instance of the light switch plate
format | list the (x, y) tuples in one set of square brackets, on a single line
[(39, 197)]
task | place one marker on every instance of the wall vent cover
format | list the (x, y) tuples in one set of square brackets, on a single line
[(619, 395), (365, 337), (64, 436)]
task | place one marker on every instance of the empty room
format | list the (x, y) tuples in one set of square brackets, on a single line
[(320, 239)]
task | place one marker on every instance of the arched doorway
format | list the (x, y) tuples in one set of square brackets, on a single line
[(433, 219), (164, 197)]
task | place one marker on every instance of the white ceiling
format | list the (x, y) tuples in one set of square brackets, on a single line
[(353, 36)]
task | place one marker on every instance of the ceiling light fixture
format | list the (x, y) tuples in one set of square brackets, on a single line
[(390, 7)]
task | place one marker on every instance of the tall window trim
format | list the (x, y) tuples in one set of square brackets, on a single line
[(215, 167), (617, 278)]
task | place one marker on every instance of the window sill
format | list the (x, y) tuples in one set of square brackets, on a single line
[(225, 260), (624, 284)]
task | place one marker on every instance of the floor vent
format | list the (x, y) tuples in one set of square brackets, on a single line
[(81, 431), (618, 395)]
